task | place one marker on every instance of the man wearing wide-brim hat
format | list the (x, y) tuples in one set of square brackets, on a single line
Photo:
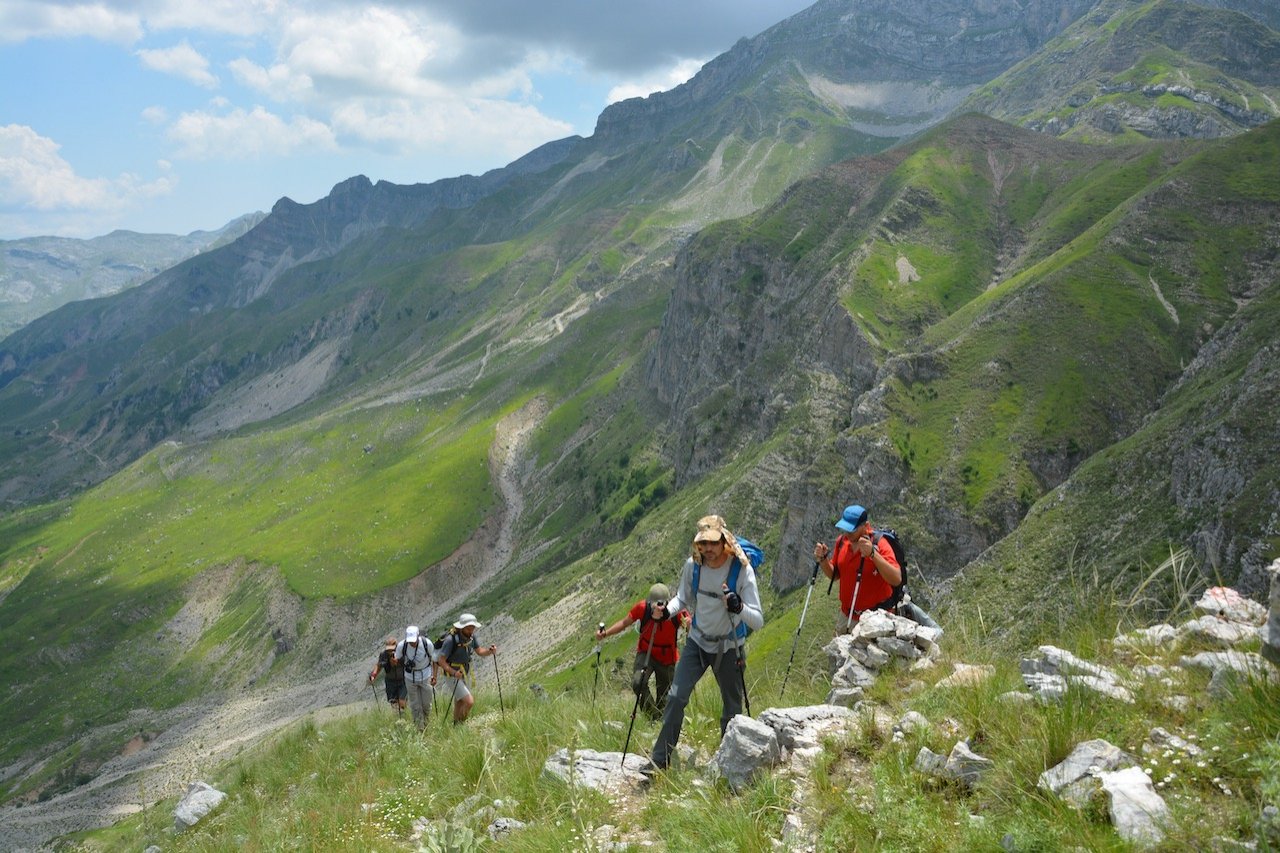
[(455, 660)]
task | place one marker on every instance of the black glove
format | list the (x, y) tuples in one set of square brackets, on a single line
[(733, 601)]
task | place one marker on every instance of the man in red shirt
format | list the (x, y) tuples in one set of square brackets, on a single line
[(867, 568), (658, 635)]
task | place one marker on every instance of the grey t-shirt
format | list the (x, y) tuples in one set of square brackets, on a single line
[(712, 628)]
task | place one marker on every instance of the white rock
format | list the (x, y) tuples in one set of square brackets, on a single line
[(967, 675), (598, 770), (804, 727), (1101, 686), (1137, 811), (1229, 604), (749, 747), (1065, 663), (199, 800), (1085, 762), (1157, 635), (1214, 630)]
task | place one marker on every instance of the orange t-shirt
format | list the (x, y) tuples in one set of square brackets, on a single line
[(874, 589)]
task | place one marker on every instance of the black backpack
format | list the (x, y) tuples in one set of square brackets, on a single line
[(458, 642), (899, 554)]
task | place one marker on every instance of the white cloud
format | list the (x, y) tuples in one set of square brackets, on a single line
[(681, 72), (475, 127), (181, 60), (34, 176), (155, 114), (28, 19), (255, 133)]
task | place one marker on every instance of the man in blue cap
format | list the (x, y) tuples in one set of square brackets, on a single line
[(864, 563)]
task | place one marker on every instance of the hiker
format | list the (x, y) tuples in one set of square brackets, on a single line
[(455, 659), (418, 655), (656, 651), (393, 675), (865, 565), (714, 635)]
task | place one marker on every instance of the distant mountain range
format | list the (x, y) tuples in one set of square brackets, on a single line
[(38, 274), (808, 276)]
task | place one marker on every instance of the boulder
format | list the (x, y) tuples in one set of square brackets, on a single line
[(1102, 686), (845, 697), (1242, 663), (1160, 635), (804, 727), (875, 624), (1074, 779), (1217, 631), (1046, 688), (1137, 811), (963, 765), (199, 800), (598, 770), (748, 748), (1228, 604), (1063, 662)]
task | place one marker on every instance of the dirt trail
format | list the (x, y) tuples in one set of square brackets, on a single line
[(198, 736)]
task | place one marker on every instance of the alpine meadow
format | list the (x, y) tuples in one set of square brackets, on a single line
[(1005, 273)]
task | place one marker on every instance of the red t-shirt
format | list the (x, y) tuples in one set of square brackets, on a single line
[(873, 589), (661, 634)]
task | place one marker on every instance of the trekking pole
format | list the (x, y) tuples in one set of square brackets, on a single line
[(498, 676), (813, 580), (644, 670), (742, 660), (848, 625), (596, 681)]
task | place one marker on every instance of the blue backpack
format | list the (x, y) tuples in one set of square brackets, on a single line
[(755, 557)]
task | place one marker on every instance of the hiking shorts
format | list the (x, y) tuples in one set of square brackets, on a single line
[(396, 691), (453, 688)]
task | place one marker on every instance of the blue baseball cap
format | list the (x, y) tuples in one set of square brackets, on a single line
[(853, 518)]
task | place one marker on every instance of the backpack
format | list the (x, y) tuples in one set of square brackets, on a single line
[(899, 554), (457, 644), (755, 556)]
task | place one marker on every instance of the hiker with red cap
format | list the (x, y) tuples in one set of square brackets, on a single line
[(656, 651), (865, 564)]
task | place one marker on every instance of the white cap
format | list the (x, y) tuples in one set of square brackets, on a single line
[(411, 634)]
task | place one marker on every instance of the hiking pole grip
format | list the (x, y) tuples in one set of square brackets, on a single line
[(596, 680)]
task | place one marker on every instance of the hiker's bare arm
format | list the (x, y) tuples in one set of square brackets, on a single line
[(822, 554), (891, 573), (617, 627)]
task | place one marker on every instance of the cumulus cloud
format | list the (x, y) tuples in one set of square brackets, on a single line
[(28, 19), (253, 133), (181, 60), (34, 176), (475, 128), (659, 82), (618, 38)]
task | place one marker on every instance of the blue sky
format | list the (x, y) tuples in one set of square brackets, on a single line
[(178, 115)]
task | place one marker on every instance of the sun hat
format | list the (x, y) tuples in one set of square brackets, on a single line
[(411, 634), (854, 517), (659, 592), (391, 642), (711, 529), (466, 619)]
